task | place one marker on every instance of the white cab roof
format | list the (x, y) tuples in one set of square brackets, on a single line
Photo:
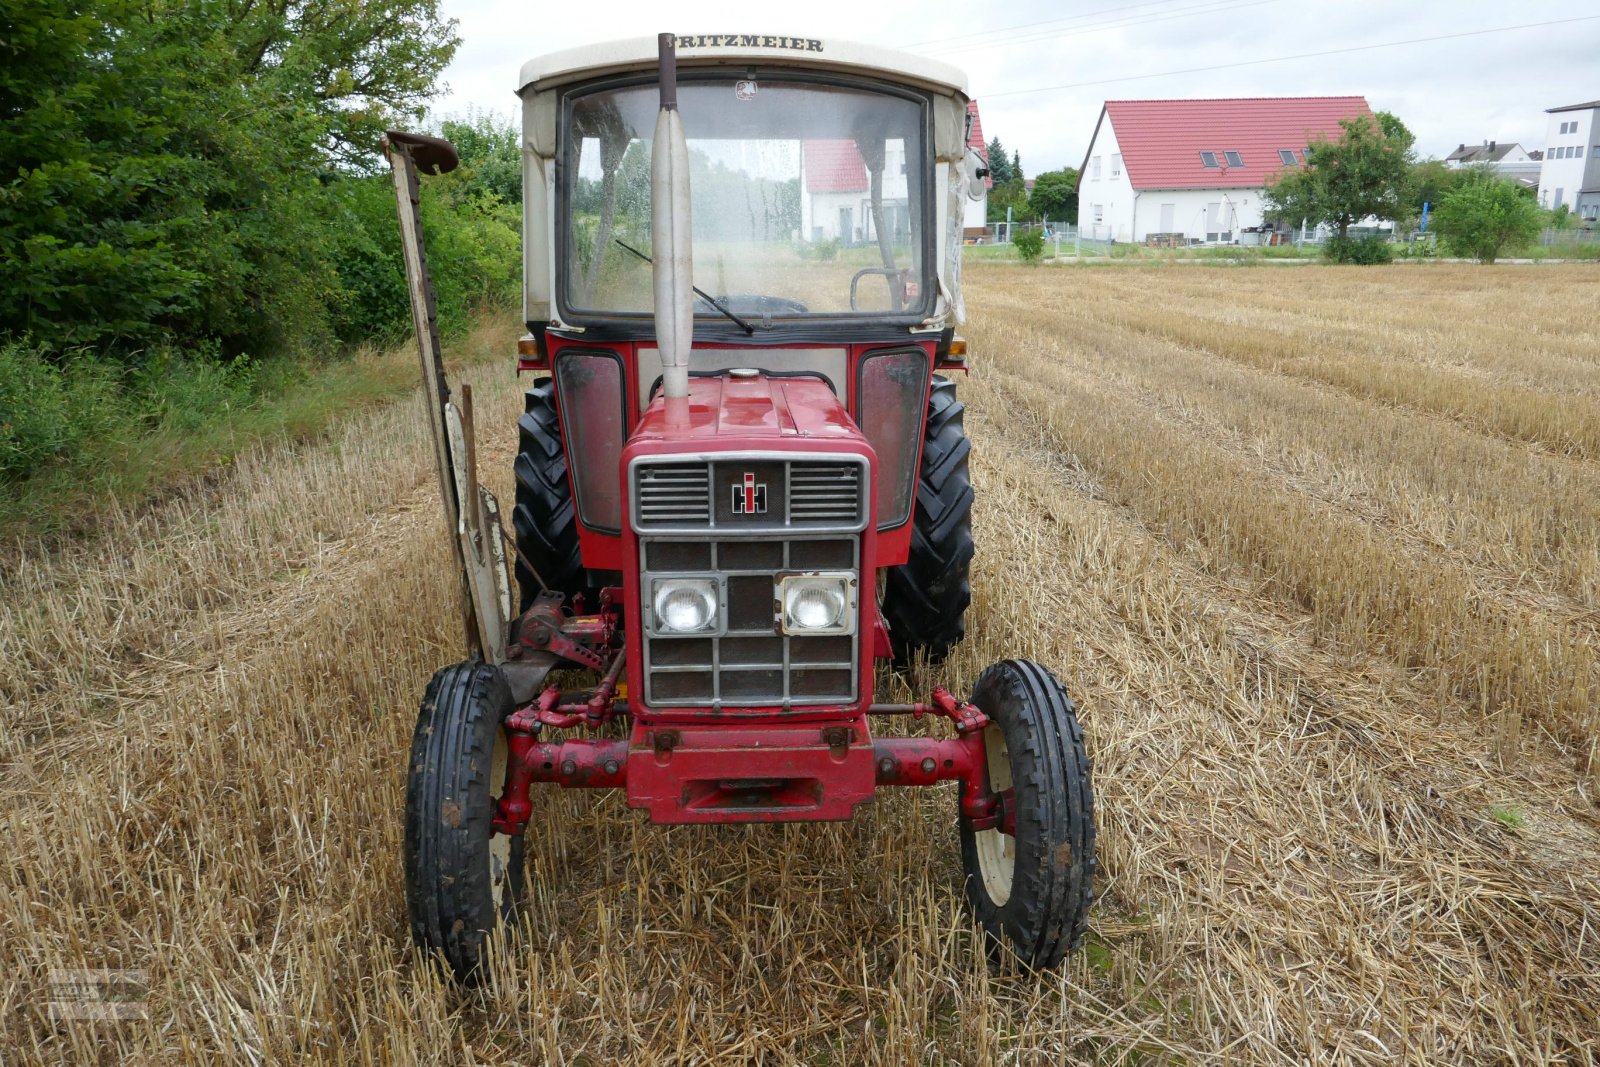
[(698, 51)]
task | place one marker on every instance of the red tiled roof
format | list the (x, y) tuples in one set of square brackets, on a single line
[(975, 139), (834, 167), (1161, 140)]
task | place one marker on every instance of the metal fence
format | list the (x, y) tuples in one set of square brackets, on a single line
[(1572, 236)]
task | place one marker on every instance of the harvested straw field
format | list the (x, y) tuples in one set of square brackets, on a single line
[(1317, 549)]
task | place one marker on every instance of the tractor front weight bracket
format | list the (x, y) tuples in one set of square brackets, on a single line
[(598, 763)]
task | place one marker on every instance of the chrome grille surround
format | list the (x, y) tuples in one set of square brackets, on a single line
[(818, 526)]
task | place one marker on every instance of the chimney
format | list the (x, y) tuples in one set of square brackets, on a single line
[(1491, 146), (1462, 147)]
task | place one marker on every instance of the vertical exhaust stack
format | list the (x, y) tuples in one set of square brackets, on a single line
[(672, 233)]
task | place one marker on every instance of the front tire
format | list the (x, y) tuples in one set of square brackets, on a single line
[(463, 880), (926, 598), (1031, 891)]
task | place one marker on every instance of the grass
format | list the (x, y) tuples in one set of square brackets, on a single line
[(190, 423), (1319, 634)]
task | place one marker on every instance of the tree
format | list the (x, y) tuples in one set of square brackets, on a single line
[(1055, 196), (1428, 182), (169, 168), (1364, 173), (999, 163), (1484, 214), (1029, 245)]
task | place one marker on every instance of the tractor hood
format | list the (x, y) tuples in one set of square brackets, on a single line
[(802, 411)]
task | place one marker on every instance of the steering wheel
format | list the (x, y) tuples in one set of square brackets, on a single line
[(897, 285)]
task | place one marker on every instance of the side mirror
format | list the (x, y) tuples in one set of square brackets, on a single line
[(977, 171)]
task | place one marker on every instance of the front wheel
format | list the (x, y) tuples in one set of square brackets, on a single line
[(462, 879), (1031, 889)]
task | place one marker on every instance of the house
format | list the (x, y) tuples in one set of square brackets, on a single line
[(1492, 152), (837, 203), (1569, 175), (975, 220), (1196, 169), (1509, 160)]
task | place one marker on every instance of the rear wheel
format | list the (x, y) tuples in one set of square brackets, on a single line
[(925, 599), (1031, 889), (545, 519), (463, 880)]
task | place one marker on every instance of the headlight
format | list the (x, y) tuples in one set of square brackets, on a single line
[(819, 604), (685, 605)]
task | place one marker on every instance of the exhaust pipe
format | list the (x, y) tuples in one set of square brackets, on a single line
[(672, 232)]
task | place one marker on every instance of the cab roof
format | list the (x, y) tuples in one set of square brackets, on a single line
[(733, 50)]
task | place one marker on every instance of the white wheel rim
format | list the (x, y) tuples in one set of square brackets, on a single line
[(997, 851), (499, 844)]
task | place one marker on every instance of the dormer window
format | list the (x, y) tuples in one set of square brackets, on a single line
[(1234, 159), (1208, 159), (1286, 156)]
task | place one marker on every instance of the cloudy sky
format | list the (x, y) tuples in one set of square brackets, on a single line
[(1041, 70)]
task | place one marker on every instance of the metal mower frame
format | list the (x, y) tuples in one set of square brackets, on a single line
[(1028, 817)]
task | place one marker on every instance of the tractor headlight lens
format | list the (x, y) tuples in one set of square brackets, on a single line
[(685, 605), (819, 604)]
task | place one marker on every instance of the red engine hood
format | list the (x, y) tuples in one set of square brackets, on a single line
[(796, 411)]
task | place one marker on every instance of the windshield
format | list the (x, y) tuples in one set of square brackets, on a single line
[(808, 199)]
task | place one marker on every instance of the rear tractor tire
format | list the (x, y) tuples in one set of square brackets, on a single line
[(1031, 892), (545, 518), (463, 880), (926, 598)]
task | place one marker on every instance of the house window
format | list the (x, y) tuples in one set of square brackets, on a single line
[(1305, 154), (1596, 153), (1208, 159), (1116, 165), (1286, 156), (1099, 214), (1094, 167), (1234, 159)]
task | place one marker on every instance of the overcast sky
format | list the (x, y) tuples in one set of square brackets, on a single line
[(1080, 53)]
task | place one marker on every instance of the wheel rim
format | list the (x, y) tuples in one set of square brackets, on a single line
[(499, 844), (997, 851)]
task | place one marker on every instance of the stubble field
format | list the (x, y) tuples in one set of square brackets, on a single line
[(1317, 549)]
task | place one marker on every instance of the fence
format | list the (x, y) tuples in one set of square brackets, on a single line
[(1573, 236), (1060, 238)]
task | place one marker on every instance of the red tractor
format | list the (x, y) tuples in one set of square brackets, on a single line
[(741, 483)]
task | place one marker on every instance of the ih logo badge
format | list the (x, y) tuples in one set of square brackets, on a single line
[(749, 496)]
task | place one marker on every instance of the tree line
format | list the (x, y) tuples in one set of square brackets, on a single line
[(191, 191)]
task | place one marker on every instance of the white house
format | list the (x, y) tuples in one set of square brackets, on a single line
[(975, 220), (836, 204), (1490, 152), (1195, 170), (1571, 171)]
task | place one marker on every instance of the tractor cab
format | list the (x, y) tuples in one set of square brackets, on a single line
[(741, 483)]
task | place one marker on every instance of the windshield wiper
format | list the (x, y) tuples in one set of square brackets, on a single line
[(702, 294)]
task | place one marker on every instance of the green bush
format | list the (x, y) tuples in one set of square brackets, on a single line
[(1484, 215), (47, 410), (1363, 251), (1029, 245)]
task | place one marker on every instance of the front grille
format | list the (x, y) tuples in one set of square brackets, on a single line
[(745, 519), (741, 492), (754, 662), (824, 492), (672, 494)]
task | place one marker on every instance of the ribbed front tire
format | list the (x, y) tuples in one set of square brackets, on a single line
[(1031, 892), (463, 880)]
